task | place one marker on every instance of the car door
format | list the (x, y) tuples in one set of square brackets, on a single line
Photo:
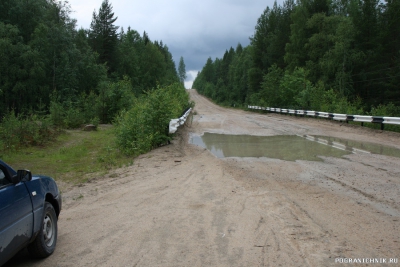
[(16, 217)]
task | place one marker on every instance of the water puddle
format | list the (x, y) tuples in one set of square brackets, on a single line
[(285, 147), (355, 146)]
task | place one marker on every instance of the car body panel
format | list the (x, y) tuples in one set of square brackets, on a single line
[(40, 187), (16, 223), (22, 208)]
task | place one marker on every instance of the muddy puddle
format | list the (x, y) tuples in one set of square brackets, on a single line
[(285, 147), (355, 146)]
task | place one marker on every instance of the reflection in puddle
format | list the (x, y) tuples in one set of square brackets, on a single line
[(285, 147), (356, 146)]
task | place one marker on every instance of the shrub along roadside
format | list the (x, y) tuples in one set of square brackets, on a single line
[(142, 122), (38, 127), (95, 107), (145, 125), (19, 131)]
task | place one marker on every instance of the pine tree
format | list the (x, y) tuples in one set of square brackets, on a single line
[(103, 35), (182, 70)]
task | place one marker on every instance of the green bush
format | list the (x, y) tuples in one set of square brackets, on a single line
[(73, 116), (56, 113), (389, 110), (17, 131), (113, 98), (67, 114), (146, 124)]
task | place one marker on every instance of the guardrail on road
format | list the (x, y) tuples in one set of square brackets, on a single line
[(175, 123), (335, 116)]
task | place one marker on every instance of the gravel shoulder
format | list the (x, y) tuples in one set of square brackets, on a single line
[(181, 206)]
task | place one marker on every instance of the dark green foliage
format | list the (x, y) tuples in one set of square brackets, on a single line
[(74, 113), (271, 35), (238, 76), (145, 125), (20, 68), (270, 92), (182, 70), (113, 98), (71, 77), (226, 80), (17, 131), (334, 56), (41, 52), (103, 35), (146, 63), (89, 73), (170, 75)]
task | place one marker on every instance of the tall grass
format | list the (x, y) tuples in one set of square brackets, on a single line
[(75, 156), (18, 131)]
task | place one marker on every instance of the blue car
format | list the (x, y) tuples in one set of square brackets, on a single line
[(29, 210)]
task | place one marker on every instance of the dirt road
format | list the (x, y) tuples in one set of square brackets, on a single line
[(181, 206)]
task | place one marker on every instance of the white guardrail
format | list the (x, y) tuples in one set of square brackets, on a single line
[(175, 123), (335, 116)]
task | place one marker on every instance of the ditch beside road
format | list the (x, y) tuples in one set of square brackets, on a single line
[(179, 205)]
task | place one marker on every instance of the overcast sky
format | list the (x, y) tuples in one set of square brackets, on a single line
[(193, 29)]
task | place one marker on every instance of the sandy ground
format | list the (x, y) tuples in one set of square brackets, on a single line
[(181, 206)]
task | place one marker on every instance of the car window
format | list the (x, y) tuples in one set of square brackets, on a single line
[(3, 179)]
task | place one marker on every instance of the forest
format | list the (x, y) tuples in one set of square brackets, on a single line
[(326, 55), (56, 75)]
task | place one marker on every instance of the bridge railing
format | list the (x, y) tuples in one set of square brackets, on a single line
[(334, 116)]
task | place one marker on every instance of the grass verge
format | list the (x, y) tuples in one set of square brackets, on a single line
[(75, 157)]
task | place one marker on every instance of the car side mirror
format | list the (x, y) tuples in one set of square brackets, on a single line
[(22, 176)]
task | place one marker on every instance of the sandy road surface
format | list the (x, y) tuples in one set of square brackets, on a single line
[(181, 206)]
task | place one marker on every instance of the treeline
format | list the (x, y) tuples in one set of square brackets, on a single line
[(45, 60), (335, 56), (53, 76)]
